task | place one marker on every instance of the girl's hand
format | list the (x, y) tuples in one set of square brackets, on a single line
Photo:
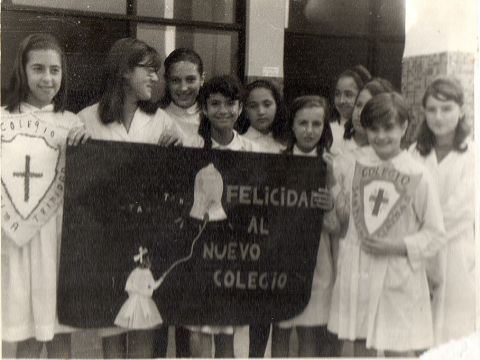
[(168, 138), (384, 247), (78, 135), (330, 223), (325, 199), (328, 158)]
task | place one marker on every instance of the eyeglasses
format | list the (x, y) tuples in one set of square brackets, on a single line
[(149, 68)]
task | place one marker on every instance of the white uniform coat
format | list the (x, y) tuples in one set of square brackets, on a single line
[(385, 299), (266, 142), (318, 307), (187, 120), (29, 272), (145, 128), (452, 271)]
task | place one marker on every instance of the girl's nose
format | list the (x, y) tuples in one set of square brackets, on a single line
[(154, 76), (47, 76), (381, 134), (222, 108), (184, 86), (309, 128), (261, 110)]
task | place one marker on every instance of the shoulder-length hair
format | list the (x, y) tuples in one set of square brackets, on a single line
[(123, 56), (443, 89), (177, 55), (305, 102), (18, 89), (227, 85), (278, 125), (375, 86)]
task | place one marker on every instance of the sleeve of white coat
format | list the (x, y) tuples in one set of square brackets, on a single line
[(459, 209), (430, 237), (169, 126)]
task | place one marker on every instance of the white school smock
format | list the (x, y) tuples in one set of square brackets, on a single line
[(453, 269), (29, 272), (145, 128), (187, 120), (337, 134), (385, 299), (238, 143), (266, 142), (318, 307)]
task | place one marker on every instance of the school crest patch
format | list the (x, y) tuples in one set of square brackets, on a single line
[(33, 162), (380, 195)]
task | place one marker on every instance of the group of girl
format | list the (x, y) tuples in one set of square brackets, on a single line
[(374, 292)]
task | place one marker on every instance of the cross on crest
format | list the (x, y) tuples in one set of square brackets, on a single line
[(378, 200), (27, 174)]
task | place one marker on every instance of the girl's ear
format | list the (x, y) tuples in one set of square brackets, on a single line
[(204, 111), (240, 107), (202, 78)]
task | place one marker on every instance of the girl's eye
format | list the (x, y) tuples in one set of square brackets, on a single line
[(230, 102), (191, 79), (55, 70), (446, 108), (267, 103), (174, 80), (252, 105)]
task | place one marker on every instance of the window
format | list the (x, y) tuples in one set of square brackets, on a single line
[(88, 28), (333, 35)]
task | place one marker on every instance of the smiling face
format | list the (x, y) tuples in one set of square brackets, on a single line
[(386, 139), (362, 99), (184, 82), (442, 116), (261, 109), (222, 112), (346, 91), (44, 76), (140, 81), (308, 126)]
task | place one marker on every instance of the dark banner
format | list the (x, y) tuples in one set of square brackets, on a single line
[(186, 236)]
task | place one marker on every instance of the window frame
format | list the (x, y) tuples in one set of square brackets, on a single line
[(131, 19)]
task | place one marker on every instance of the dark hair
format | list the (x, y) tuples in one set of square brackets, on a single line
[(375, 86), (443, 89), (384, 108), (123, 56), (18, 89), (305, 102), (227, 85), (278, 125), (360, 76), (177, 55)]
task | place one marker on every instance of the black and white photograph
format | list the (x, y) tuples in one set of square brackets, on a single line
[(239, 179)]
